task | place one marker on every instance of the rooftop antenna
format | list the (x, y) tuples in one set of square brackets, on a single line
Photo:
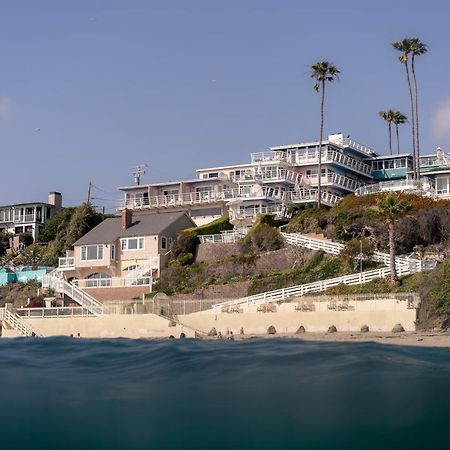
[(137, 172)]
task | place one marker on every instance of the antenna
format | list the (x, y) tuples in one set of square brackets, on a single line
[(137, 172)]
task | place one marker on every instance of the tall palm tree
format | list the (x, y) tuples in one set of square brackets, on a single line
[(404, 47), (322, 72), (417, 48), (399, 119), (391, 207), (389, 117)]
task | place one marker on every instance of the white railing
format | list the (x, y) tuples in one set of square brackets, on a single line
[(310, 195), (276, 174), (112, 282), (228, 237), (16, 322), (253, 212), (357, 146), (334, 178), (272, 155), (64, 311), (312, 156), (152, 263), (334, 248), (85, 300), (317, 286), (64, 263), (396, 185)]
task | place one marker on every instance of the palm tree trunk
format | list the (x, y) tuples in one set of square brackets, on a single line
[(398, 139), (412, 120), (319, 168), (416, 117), (390, 137), (392, 252)]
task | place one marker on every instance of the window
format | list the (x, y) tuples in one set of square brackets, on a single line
[(91, 252), (163, 242), (136, 243), (171, 192), (113, 252)]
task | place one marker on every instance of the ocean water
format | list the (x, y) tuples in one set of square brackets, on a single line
[(188, 394)]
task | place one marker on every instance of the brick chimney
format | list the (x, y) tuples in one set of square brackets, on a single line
[(127, 218)]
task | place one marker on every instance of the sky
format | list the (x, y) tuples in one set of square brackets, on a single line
[(90, 88)]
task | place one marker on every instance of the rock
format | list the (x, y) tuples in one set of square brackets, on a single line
[(365, 329), (213, 332), (242, 330), (172, 323), (271, 330), (332, 329), (171, 336), (301, 329), (182, 335), (398, 328)]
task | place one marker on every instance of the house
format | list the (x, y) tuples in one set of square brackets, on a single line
[(29, 217), (120, 251)]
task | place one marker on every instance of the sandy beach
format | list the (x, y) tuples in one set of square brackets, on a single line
[(416, 338)]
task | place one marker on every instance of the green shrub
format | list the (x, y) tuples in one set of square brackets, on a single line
[(261, 238)]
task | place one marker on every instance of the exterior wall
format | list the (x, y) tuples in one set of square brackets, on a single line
[(106, 262)]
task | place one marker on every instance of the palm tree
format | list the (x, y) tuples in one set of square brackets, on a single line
[(404, 47), (399, 119), (389, 117), (417, 48), (391, 207), (322, 72)]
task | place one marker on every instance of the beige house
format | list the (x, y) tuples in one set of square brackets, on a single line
[(123, 250)]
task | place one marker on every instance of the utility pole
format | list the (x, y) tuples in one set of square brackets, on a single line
[(137, 172), (89, 192)]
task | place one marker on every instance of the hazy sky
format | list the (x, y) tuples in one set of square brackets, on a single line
[(89, 88)]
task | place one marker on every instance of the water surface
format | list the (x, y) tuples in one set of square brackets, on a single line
[(278, 394)]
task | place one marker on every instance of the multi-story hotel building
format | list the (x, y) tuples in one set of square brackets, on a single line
[(287, 175)]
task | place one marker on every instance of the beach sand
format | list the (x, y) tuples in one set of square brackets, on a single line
[(416, 338)]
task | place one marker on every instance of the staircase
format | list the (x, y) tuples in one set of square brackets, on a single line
[(52, 281), (404, 266), (142, 270), (15, 322)]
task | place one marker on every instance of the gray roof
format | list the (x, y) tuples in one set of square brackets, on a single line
[(108, 231)]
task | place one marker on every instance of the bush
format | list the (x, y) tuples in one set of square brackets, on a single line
[(26, 239), (261, 238)]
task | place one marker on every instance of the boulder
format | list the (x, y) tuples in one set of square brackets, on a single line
[(182, 335), (301, 329), (398, 328), (332, 329), (365, 329), (271, 330), (212, 332)]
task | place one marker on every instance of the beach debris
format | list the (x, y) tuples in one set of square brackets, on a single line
[(398, 328), (182, 335), (332, 329), (271, 330), (213, 332), (365, 329), (300, 329)]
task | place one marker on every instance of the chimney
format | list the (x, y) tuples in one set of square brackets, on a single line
[(55, 199), (127, 218)]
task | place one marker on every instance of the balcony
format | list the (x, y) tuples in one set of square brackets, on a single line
[(271, 175), (360, 147), (66, 263), (112, 282), (424, 187), (336, 180), (310, 195), (269, 156), (332, 156), (279, 211)]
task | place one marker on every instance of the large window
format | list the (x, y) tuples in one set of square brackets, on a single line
[(91, 252), (136, 243)]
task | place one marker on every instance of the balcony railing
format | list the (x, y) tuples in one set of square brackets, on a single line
[(277, 174), (269, 156), (335, 179), (66, 263), (328, 156), (424, 187), (253, 212), (357, 146), (310, 195), (112, 282)]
